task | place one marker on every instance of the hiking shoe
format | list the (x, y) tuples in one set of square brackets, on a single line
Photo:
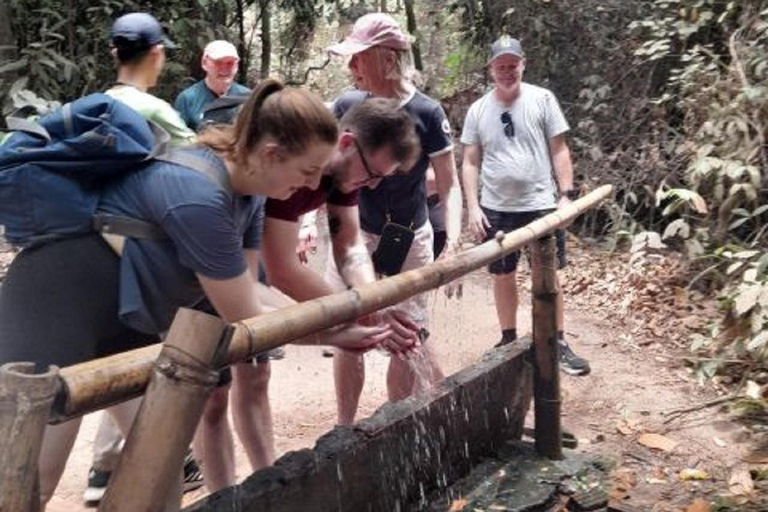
[(570, 363), (193, 478), (97, 486), (327, 352), (506, 339), (276, 354)]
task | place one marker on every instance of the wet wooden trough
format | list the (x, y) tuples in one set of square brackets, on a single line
[(407, 450)]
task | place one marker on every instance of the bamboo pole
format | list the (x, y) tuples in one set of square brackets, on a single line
[(25, 404), (148, 475), (546, 353), (266, 332), (94, 385)]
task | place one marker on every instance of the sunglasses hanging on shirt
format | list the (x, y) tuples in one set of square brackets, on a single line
[(509, 127)]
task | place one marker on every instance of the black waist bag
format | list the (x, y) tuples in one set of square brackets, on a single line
[(394, 244)]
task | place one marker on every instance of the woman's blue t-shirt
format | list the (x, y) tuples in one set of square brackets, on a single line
[(208, 228)]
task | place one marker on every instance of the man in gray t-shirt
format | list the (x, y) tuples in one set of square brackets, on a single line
[(514, 139)]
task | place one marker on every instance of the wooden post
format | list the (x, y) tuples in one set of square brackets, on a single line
[(25, 404), (148, 475), (546, 351)]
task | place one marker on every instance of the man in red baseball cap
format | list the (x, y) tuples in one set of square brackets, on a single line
[(220, 63)]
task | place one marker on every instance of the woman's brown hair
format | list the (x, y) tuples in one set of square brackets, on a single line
[(294, 118)]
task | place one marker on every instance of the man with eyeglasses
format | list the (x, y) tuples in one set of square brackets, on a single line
[(377, 138), (514, 138)]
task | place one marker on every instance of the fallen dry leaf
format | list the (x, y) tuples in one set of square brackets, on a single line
[(624, 429), (657, 442), (756, 457), (740, 482), (624, 479), (753, 390), (458, 505), (693, 474), (618, 494), (719, 442), (698, 505)]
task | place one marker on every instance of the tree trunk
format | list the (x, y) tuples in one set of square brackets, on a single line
[(266, 38), (242, 48), (6, 55), (411, 16)]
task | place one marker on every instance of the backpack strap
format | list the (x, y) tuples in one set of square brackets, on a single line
[(216, 173), (162, 140), (106, 223), (134, 228), (17, 124)]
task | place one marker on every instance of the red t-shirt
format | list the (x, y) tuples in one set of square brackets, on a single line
[(305, 200)]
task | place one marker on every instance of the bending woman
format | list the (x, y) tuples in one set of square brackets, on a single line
[(74, 300)]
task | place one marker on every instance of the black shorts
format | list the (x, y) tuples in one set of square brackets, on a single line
[(59, 305), (506, 222)]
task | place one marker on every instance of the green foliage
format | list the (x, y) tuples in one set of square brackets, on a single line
[(710, 60), (63, 45)]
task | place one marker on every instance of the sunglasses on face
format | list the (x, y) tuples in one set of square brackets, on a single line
[(509, 127)]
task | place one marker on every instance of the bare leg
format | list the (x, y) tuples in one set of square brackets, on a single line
[(58, 441), (252, 413), (123, 414), (349, 377), (400, 379), (433, 373), (218, 451), (107, 445), (505, 293), (559, 308), (403, 381)]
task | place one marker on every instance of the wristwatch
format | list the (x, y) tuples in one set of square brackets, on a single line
[(570, 194)]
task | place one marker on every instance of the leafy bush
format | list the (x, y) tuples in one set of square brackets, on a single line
[(714, 57), (63, 46)]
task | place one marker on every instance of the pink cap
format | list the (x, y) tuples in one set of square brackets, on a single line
[(371, 30)]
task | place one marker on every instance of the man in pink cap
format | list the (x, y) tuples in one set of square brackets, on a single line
[(514, 140), (220, 63), (393, 215)]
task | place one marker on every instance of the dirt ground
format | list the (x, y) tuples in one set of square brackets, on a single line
[(628, 394)]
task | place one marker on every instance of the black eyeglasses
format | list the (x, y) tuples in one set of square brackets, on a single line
[(509, 127), (371, 175)]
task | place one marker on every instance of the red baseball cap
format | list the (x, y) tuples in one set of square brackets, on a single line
[(376, 29)]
